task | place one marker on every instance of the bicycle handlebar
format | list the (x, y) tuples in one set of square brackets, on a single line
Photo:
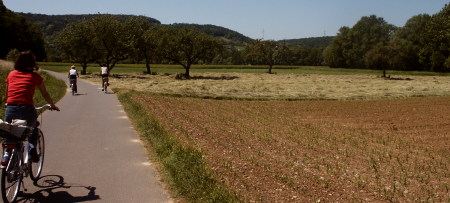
[(46, 106)]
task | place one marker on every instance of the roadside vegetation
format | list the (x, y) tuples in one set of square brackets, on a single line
[(182, 166)]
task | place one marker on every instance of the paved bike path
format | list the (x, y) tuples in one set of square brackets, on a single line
[(93, 153)]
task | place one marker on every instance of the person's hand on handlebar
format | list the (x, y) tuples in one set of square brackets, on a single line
[(53, 107)]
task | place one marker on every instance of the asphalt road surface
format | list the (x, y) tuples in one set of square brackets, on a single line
[(93, 154)]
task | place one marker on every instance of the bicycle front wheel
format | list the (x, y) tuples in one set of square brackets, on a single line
[(11, 178), (36, 167)]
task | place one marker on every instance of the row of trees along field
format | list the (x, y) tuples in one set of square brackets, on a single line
[(108, 39), (422, 44)]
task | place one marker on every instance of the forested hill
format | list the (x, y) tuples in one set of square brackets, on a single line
[(231, 37), (310, 42), (51, 24)]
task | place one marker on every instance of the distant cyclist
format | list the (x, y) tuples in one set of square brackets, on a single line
[(104, 72), (73, 75)]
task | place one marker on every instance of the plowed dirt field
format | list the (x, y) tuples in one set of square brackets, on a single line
[(310, 151)]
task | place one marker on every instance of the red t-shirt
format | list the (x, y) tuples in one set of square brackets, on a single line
[(21, 86)]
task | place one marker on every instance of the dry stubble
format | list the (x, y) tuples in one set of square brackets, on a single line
[(287, 86)]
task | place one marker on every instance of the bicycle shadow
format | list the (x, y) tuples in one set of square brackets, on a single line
[(50, 192), (79, 94)]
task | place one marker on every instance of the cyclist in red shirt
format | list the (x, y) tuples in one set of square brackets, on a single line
[(21, 85)]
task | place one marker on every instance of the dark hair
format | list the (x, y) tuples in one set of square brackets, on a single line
[(26, 62)]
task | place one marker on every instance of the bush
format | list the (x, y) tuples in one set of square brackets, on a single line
[(12, 55)]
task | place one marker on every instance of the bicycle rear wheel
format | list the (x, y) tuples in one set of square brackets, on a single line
[(105, 86), (36, 167), (11, 178)]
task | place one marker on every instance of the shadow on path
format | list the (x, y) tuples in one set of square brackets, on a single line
[(80, 94), (55, 190)]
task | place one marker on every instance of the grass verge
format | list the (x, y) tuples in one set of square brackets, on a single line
[(182, 167)]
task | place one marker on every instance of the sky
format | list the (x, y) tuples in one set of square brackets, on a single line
[(257, 19)]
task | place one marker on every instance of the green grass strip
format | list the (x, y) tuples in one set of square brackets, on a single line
[(55, 87), (182, 167), (280, 69)]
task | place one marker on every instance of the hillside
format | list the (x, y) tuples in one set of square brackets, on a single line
[(231, 37), (51, 24), (311, 42)]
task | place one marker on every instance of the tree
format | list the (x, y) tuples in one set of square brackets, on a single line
[(145, 40), (186, 46), (349, 47), (335, 53), (378, 58), (264, 52), (75, 40), (285, 54), (309, 56), (406, 43), (17, 33), (111, 39), (436, 51), (12, 55)]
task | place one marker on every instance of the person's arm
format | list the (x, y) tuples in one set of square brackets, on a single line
[(47, 96), (6, 93)]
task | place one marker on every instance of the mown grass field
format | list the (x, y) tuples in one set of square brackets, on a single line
[(309, 134)]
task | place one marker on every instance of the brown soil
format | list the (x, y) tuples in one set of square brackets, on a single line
[(332, 151)]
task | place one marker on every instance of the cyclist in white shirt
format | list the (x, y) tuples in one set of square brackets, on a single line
[(104, 72), (73, 75)]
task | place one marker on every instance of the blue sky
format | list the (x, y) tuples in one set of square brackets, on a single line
[(271, 19)]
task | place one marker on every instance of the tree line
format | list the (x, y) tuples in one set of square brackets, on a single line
[(105, 39), (422, 44), (19, 34)]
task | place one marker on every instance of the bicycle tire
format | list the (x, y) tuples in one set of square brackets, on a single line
[(11, 178), (36, 167), (74, 88), (105, 86)]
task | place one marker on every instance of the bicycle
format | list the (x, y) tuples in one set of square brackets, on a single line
[(19, 164), (105, 84), (73, 86)]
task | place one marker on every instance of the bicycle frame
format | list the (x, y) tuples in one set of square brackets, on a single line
[(73, 85), (18, 163), (105, 81)]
